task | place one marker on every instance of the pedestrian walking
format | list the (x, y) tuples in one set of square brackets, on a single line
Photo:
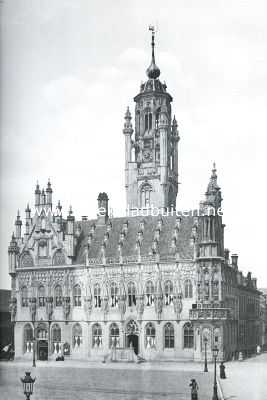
[(194, 389), (222, 371)]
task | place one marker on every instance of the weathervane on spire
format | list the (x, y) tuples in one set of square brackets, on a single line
[(153, 72)]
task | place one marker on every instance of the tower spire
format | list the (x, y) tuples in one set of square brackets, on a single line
[(153, 72)]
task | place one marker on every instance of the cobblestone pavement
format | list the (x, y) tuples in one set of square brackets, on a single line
[(78, 380), (246, 380)]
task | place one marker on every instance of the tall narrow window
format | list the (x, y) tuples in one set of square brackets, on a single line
[(97, 336), (188, 290), (168, 292), (114, 337), (41, 296), (24, 297), (188, 336), (56, 339), (28, 339), (114, 291), (146, 196), (148, 121), (58, 296), (77, 336), (77, 296), (149, 293), (131, 294), (97, 295), (168, 336), (150, 336)]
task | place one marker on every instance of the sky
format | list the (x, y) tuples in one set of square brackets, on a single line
[(70, 68)]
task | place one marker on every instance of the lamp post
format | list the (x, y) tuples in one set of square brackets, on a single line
[(27, 383), (205, 362), (215, 352)]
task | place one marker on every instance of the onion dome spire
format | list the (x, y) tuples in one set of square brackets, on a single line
[(153, 72)]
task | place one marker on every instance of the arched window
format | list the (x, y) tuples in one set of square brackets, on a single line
[(26, 260), (188, 336), (24, 297), (168, 292), (150, 290), (42, 332), (157, 117), (188, 290), (114, 291), (97, 295), (168, 336), (97, 336), (114, 336), (131, 294), (58, 296), (56, 338), (77, 296), (59, 258), (28, 339), (77, 336), (148, 121), (41, 296), (146, 196), (150, 336)]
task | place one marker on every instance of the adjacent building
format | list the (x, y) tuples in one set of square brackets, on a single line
[(157, 281)]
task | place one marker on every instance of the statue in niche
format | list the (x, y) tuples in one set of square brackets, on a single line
[(13, 308)]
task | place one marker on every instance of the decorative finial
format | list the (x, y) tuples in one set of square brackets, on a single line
[(153, 72), (70, 210)]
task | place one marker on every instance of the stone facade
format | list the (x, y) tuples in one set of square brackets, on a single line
[(158, 285)]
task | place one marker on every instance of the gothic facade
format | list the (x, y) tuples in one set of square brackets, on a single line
[(158, 285)]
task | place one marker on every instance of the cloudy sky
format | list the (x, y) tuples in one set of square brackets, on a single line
[(70, 68)]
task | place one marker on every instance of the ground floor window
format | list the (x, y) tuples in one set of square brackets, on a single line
[(114, 338), (56, 339), (97, 336), (169, 336), (188, 336), (28, 338), (150, 336), (77, 336)]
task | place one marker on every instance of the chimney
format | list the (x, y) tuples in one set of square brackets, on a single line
[(234, 261)]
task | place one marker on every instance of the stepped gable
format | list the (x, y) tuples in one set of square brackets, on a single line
[(128, 243)]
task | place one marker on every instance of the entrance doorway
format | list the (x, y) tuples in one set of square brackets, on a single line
[(42, 350), (133, 339)]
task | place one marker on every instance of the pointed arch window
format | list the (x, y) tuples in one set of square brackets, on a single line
[(97, 295), (41, 296), (28, 339), (24, 297), (114, 336), (168, 292), (150, 336), (114, 291), (59, 258), (58, 296), (131, 294), (188, 289), (148, 121), (188, 336), (77, 296), (150, 292), (56, 339), (77, 336), (97, 336), (146, 196), (169, 336)]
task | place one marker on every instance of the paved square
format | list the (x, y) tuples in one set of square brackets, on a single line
[(105, 381)]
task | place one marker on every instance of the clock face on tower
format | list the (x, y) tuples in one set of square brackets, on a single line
[(147, 155)]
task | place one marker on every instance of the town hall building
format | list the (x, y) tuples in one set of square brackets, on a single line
[(153, 286)]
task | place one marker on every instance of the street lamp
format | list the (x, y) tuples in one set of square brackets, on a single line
[(215, 352), (205, 362), (27, 382)]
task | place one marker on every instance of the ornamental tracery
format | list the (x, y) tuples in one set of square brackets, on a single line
[(26, 260), (59, 258)]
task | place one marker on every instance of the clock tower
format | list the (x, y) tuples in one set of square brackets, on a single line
[(151, 150)]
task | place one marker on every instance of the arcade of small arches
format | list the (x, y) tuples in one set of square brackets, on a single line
[(130, 293), (118, 337)]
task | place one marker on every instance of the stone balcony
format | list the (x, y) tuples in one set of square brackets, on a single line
[(209, 314)]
